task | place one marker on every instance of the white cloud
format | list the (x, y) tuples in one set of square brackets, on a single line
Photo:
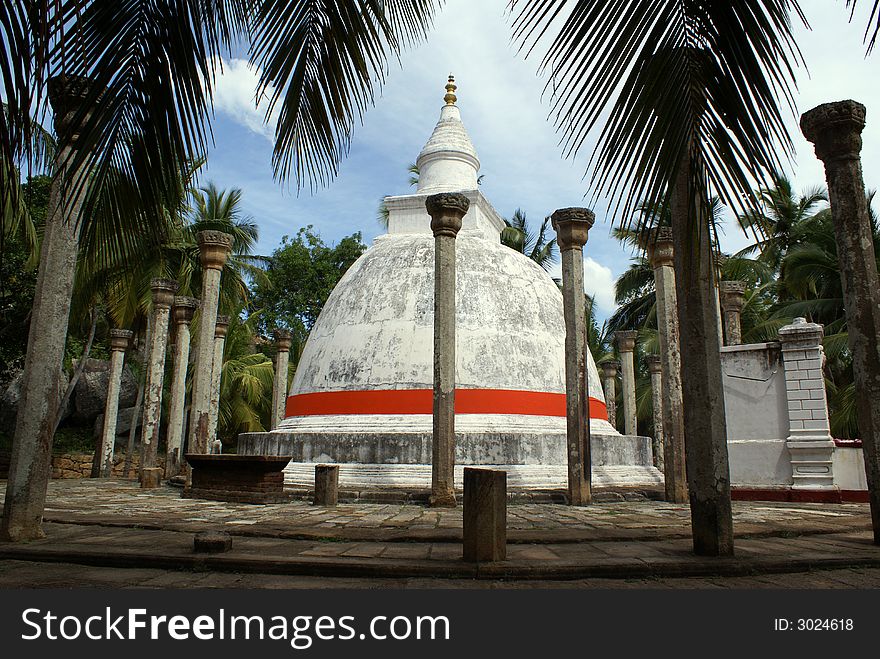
[(599, 283), (235, 95)]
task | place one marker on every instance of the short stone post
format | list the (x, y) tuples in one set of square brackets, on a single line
[(220, 329), (119, 340), (283, 341), (660, 255), (163, 294), (626, 343), (572, 226), (733, 297), (326, 485), (214, 248), (446, 211), (484, 527), (836, 131), (609, 386), (809, 443), (656, 370), (182, 312)]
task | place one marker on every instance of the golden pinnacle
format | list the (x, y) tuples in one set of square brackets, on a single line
[(450, 97)]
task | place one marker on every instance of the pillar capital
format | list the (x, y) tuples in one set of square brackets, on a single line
[(609, 367), (183, 309), (163, 291), (654, 364), (67, 95), (835, 129), (283, 339), (214, 248), (626, 340), (572, 226), (733, 295), (659, 250), (120, 339), (800, 334), (221, 327), (446, 210)]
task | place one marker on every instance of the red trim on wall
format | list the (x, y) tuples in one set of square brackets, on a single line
[(420, 401)]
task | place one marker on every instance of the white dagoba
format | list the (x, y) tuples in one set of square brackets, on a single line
[(362, 392)]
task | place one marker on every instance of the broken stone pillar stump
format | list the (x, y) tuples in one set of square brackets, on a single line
[(119, 340), (446, 210), (572, 227), (212, 542), (214, 248), (660, 255), (326, 485), (484, 515), (283, 341), (733, 298), (163, 294), (151, 477), (835, 129), (626, 342), (182, 312)]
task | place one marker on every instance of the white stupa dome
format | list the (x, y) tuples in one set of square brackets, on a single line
[(362, 392)]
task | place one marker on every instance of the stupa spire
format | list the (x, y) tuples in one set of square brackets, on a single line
[(448, 162)]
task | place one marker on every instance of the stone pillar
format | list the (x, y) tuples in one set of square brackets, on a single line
[(326, 485), (609, 386), (119, 340), (214, 247), (183, 310), (626, 343), (836, 131), (446, 211), (163, 294), (809, 436), (29, 466), (656, 370), (660, 255), (484, 523), (279, 387), (220, 328), (733, 297), (572, 226)]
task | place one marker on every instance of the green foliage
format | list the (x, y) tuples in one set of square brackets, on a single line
[(300, 275), (520, 237)]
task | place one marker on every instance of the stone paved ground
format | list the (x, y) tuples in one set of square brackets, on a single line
[(108, 525)]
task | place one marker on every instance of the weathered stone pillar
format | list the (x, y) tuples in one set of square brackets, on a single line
[(119, 340), (214, 247), (572, 226), (810, 446), (836, 131), (626, 343), (484, 520), (29, 466), (183, 310), (279, 388), (733, 297), (660, 255), (446, 211), (609, 386), (163, 294), (326, 485), (656, 370), (220, 328)]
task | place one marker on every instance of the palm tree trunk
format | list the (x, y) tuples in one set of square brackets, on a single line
[(705, 428)]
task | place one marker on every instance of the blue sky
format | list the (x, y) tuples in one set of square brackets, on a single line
[(500, 95)]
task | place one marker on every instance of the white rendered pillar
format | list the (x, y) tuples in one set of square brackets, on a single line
[(182, 313), (119, 340), (809, 443), (220, 328), (163, 293), (279, 388), (626, 342)]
